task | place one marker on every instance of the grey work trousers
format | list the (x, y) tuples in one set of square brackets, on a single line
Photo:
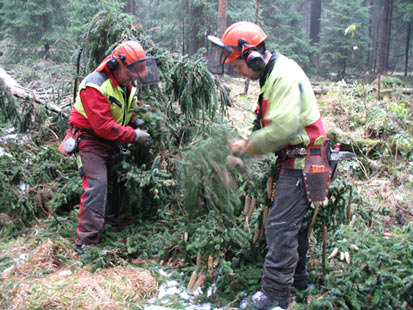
[(286, 236), (97, 206)]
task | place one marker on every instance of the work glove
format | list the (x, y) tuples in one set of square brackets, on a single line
[(141, 136)]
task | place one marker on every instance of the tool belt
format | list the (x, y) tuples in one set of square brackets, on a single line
[(75, 135), (89, 134), (292, 152), (317, 171)]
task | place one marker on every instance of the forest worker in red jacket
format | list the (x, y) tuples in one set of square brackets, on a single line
[(288, 123), (101, 117)]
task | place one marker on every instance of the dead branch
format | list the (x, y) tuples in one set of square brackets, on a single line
[(20, 92)]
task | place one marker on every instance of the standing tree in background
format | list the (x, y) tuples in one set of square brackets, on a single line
[(181, 25), (406, 9), (257, 9), (130, 7), (344, 36), (49, 24), (285, 23), (222, 17), (215, 52), (196, 27), (32, 24), (315, 21), (385, 38)]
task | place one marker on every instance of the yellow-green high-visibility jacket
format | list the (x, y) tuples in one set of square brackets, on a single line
[(104, 106), (289, 112)]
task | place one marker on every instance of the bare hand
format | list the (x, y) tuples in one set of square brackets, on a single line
[(238, 147)]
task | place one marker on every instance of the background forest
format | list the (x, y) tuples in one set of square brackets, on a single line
[(326, 37), (194, 235)]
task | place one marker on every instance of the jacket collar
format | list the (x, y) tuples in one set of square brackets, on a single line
[(115, 83), (268, 68)]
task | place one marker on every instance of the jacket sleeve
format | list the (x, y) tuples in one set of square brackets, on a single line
[(284, 114), (97, 109)]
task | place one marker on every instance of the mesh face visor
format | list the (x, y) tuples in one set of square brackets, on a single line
[(218, 54), (144, 71)]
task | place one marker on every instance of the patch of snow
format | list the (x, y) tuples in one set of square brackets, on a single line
[(171, 293), (23, 187), (65, 272), (4, 153), (23, 258)]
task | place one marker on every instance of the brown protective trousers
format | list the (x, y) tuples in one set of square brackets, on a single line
[(286, 236)]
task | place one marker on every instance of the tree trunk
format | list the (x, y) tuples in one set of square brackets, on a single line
[(184, 24), (376, 48), (194, 41), (385, 37), (386, 65), (215, 52), (247, 81), (369, 54), (314, 30), (406, 63), (130, 7), (46, 50), (222, 17), (315, 17)]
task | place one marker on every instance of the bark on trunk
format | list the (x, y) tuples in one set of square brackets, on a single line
[(406, 62), (247, 81), (385, 37), (222, 17), (215, 52), (315, 22)]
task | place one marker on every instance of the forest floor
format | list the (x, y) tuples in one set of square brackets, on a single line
[(41, 269)]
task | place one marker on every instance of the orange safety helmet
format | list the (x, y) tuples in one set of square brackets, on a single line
[(143, 70), (240, 37), (128, 51)]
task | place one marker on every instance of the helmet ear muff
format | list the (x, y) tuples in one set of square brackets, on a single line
[(113, 63), (254, 60)]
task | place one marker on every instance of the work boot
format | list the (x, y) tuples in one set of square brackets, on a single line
[(114, 223), (263, 302), (84, 249), (301, 284)]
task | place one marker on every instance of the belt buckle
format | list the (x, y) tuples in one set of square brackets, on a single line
[(296, 152)]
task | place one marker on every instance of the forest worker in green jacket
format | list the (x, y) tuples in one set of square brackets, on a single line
[(288, 123)]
